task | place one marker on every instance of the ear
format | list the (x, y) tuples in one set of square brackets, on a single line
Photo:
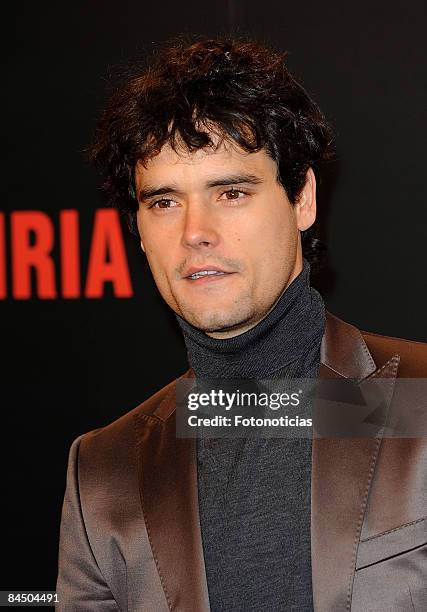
[(305, 206), (142, 246)]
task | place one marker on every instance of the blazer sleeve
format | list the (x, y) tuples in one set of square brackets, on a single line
[(81, 586)]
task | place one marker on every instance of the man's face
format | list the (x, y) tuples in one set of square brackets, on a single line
[(219, 211)]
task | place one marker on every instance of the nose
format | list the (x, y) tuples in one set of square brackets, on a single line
[(199, 229)]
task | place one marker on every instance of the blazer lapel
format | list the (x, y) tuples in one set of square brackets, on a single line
[(342, 472), (168, 483)]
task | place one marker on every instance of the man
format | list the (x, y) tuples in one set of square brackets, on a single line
[(213, 153)]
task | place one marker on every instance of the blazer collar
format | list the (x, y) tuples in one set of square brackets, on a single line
[(342, 471), (344, 351)]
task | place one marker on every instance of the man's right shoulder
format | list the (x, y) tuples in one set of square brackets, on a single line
[(122, 433)]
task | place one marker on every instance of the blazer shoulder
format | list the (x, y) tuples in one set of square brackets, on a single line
[(413, 354), (121, 433)]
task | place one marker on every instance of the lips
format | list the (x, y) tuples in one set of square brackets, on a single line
[(194, 273), (203, 273)]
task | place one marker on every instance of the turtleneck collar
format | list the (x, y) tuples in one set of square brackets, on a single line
[(285, 342)]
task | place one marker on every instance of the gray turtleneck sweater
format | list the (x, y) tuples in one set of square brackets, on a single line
[(254, 494)]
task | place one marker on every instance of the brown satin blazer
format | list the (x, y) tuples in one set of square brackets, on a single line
[(130, 533)]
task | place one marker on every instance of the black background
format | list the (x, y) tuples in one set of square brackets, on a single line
[(73, 365)]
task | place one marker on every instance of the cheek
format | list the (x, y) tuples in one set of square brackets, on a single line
[(162, 275), (163, 261), (157, 263), (271, 236), (274, 250), (159, 241), (155, 247), (157, 260)]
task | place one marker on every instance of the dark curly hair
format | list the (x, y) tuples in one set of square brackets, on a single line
[(237, 89)]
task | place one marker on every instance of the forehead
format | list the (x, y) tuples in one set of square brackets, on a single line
[(204, 163)]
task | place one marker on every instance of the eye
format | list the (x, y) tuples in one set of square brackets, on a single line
[(163, 204), (233, 194)]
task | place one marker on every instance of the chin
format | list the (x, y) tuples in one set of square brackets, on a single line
[(217, 321)]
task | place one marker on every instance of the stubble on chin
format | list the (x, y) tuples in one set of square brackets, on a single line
[(239, 314)]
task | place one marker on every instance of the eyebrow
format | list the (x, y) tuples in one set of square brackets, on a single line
[(232, 179)]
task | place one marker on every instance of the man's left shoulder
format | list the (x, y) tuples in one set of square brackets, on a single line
[(413, 354)]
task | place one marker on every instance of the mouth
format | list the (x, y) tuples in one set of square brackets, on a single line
[(207, 276)]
